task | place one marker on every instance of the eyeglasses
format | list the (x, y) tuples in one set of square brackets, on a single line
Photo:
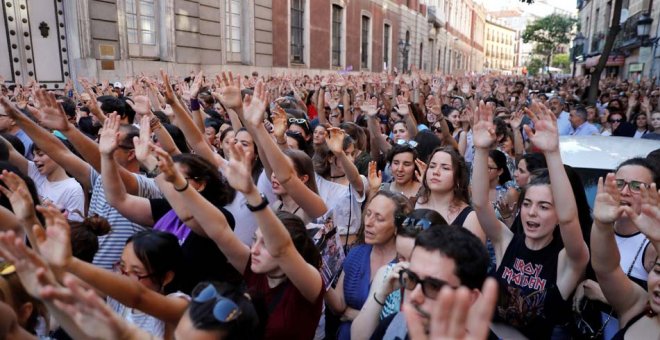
[(225, 310), (415, 225), (299, 121), (119, 268), (490, 168), (410, 143), (616, 120), (634, 186), (430, 286)]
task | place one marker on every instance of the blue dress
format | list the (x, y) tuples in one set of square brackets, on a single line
[(357, 274)]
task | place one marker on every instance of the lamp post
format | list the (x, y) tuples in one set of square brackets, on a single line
[(404, 48), (578, 43), (643, 32)]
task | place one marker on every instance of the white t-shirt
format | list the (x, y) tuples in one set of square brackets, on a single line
[(145, 322), (344, 205), (67, 194)]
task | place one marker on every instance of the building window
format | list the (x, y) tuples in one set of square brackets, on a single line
[(364, 57), (386, 45), (233, 30), (336, 35), (141, 28), (297, 29)]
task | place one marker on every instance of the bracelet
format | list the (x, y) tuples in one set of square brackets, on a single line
[(506, 218), (260, 206), (181, 189), (378, 302), (281, 143), (194, 104)]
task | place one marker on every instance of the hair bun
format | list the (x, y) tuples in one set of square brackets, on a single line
[(97, 224)]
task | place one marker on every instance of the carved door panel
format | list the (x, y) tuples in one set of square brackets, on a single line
[(33, 42)]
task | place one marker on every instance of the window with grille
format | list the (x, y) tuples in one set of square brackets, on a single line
[(336, 35), (297, 30), (233, 30), (365, 41), (386, 45), (141, 28)]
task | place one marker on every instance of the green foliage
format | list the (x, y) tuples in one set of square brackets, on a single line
[(562, 61), (550, 32), (535, 65)]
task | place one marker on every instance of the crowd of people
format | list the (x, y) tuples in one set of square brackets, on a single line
[(338, 206)]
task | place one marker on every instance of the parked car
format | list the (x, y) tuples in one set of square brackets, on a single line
[(594, 156)]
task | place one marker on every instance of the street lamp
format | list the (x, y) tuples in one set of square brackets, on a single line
[(578, 43), (404, 48)]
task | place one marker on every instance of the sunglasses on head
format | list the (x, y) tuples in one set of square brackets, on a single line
[(224, 310), (634, 186), (414, 224), (430, 286), (410, 143)]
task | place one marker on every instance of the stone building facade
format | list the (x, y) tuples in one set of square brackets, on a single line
[(114, 39), (500, 46)]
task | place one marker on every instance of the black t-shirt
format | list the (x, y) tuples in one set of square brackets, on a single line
[(202, 259)]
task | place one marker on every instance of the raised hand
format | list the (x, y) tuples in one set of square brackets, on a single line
[(420, 169), (109, 136), (375, 177), (335, 140), (402, 106), (166, 164), (546, 136), (237, 170), (607, 205), (18, 194), (370, 106), (483, 129), (279, 118), (170, 96), (32, 270), (51, 114), (454, 314), (516, 119), (391, 282), (196, 85), (140, 105), (254, 106), (230, 92), (143, 146), (55, 241)]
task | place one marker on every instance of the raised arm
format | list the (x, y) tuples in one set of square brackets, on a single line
[(484, 138), (335, 142), (135, 208), (378, 142), (56, 246), (15, 158), (48, 143), (230, 97), (626, 297), (546, 138), (308, 200), (210, 218), (305, 277), (403, 108)]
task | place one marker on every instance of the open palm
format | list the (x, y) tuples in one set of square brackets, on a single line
[(483, 131), (237, 170), (607, 208)]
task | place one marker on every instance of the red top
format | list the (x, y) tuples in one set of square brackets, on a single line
[(293, 317), (311, 112)]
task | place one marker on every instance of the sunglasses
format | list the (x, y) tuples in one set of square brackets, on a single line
[(224, 310), (298, 121), (616, 120), (430, 286), (410, 143), (416, 225), (634, 186)]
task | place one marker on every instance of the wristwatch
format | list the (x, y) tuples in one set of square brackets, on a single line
[(260, 206)]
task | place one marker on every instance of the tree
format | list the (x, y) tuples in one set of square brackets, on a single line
[(550, 32), (609, 43), (535, 65), (562, 61)]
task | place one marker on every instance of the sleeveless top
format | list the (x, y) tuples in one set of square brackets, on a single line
[(529, 297), (621, 334), (631, 248), (462, 216)]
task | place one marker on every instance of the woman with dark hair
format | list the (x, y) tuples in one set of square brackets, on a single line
[(526, 165), (384, 214), (85, 236), (445, 190), (171, 215), (558, 262), (641, 122), (405, 171), (281, 268), (225, 138)]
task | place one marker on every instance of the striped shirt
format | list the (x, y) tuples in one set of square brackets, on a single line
[(112, 245)]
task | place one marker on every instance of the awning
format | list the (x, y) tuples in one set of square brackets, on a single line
[(613, 60)]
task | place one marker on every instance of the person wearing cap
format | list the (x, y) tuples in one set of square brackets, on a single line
[(118, 88), (579, 124)]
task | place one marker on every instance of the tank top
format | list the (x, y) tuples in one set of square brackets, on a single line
[(529, 297), (621, 334), (462, 216), (631, 248)]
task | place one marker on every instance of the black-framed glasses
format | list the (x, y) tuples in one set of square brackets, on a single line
[(416, 225), (118, 267), (224, 310), (634, 186), (430, 286)]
